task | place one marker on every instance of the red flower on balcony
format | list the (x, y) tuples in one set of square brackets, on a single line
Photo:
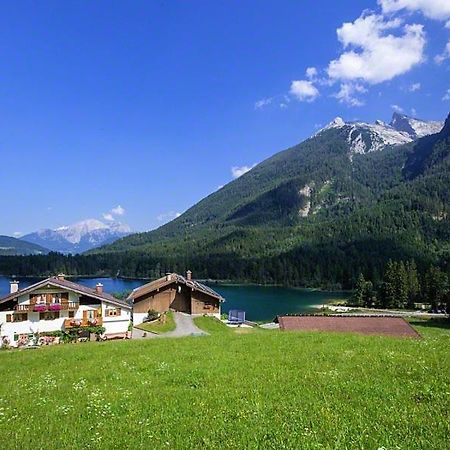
[(40, 308), (75, 323), (93, 322), (55, 307)]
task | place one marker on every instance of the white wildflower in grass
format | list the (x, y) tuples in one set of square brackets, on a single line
[(162, 367), (79, 385), (64, 409), (145, 422)]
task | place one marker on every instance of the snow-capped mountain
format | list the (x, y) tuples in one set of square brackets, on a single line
[(79, 237), (366, 137), (416, 128)]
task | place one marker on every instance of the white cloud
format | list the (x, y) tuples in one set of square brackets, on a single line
[(261, 104), (311, 73), (415, 87), (375, 56), (397, 108), (17, 234), (238, 171), (304, 90), (439, 59), (167, 216), (347, 93), (414, 112), (446, 96), (116, 211), (433, 9)]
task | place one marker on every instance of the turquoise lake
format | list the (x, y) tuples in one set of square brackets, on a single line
[(259, 302)]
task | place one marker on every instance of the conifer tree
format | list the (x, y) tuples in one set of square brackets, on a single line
[(388, 290), (358, 296), (413, 283), (435, 287), (401, 288), (368, 294)]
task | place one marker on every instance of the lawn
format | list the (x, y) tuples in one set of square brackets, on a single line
[(260, 390), (159, 326)]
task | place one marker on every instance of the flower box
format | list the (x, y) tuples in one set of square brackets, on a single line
[(54, 307), (40, 308)]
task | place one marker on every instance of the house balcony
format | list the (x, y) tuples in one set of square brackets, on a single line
[(44, 307), (76, 323)]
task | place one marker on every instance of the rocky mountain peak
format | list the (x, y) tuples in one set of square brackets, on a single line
[(416, 128), (366, 137), (80, 236), (446, 129)]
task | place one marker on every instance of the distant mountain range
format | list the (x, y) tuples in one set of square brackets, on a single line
[(12, 246), (78, 237), (343, 201)]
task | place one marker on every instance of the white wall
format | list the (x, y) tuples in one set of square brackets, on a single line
[(31, 326), (116, 326), (138, 318)]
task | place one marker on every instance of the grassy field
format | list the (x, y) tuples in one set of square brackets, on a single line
[(228, 390), (159, 326)]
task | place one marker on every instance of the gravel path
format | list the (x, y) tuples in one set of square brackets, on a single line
[(184, 327)]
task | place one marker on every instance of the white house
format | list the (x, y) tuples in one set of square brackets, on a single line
[(58, 304)]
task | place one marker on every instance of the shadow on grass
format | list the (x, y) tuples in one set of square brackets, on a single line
[(443, 323)]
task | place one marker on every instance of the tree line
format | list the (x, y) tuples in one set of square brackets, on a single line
[(402, 286)]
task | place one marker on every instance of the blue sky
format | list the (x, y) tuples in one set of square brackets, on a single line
[(150, 105)]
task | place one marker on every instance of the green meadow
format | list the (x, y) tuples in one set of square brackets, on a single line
[(230, 390)]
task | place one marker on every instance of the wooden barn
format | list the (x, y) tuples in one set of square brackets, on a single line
[(177, 293)]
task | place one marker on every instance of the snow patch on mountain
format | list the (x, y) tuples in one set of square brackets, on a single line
[(79, 237), (74, 233), (416, 128), (366, 137)]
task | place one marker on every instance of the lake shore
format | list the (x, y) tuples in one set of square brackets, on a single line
[(375, 311)]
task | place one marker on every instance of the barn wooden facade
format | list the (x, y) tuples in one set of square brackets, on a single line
[(177, 293)]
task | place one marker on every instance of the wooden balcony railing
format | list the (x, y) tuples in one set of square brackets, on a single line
[(73, 323), (63, 306)]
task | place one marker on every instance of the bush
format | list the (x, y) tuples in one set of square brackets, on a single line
[(152, 315)]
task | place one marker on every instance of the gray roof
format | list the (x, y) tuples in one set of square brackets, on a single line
[(174, 278), (71, 286)]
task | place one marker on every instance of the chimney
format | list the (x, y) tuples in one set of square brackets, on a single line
[(168, 276), (61, 276), (13, 286), (189, 275), (99, 288)]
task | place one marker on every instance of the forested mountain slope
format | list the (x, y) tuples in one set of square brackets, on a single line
[(320, 183), (13, 246)]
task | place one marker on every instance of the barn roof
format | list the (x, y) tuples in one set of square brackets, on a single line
[(374, 325), (170, 279), (69, 285)]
